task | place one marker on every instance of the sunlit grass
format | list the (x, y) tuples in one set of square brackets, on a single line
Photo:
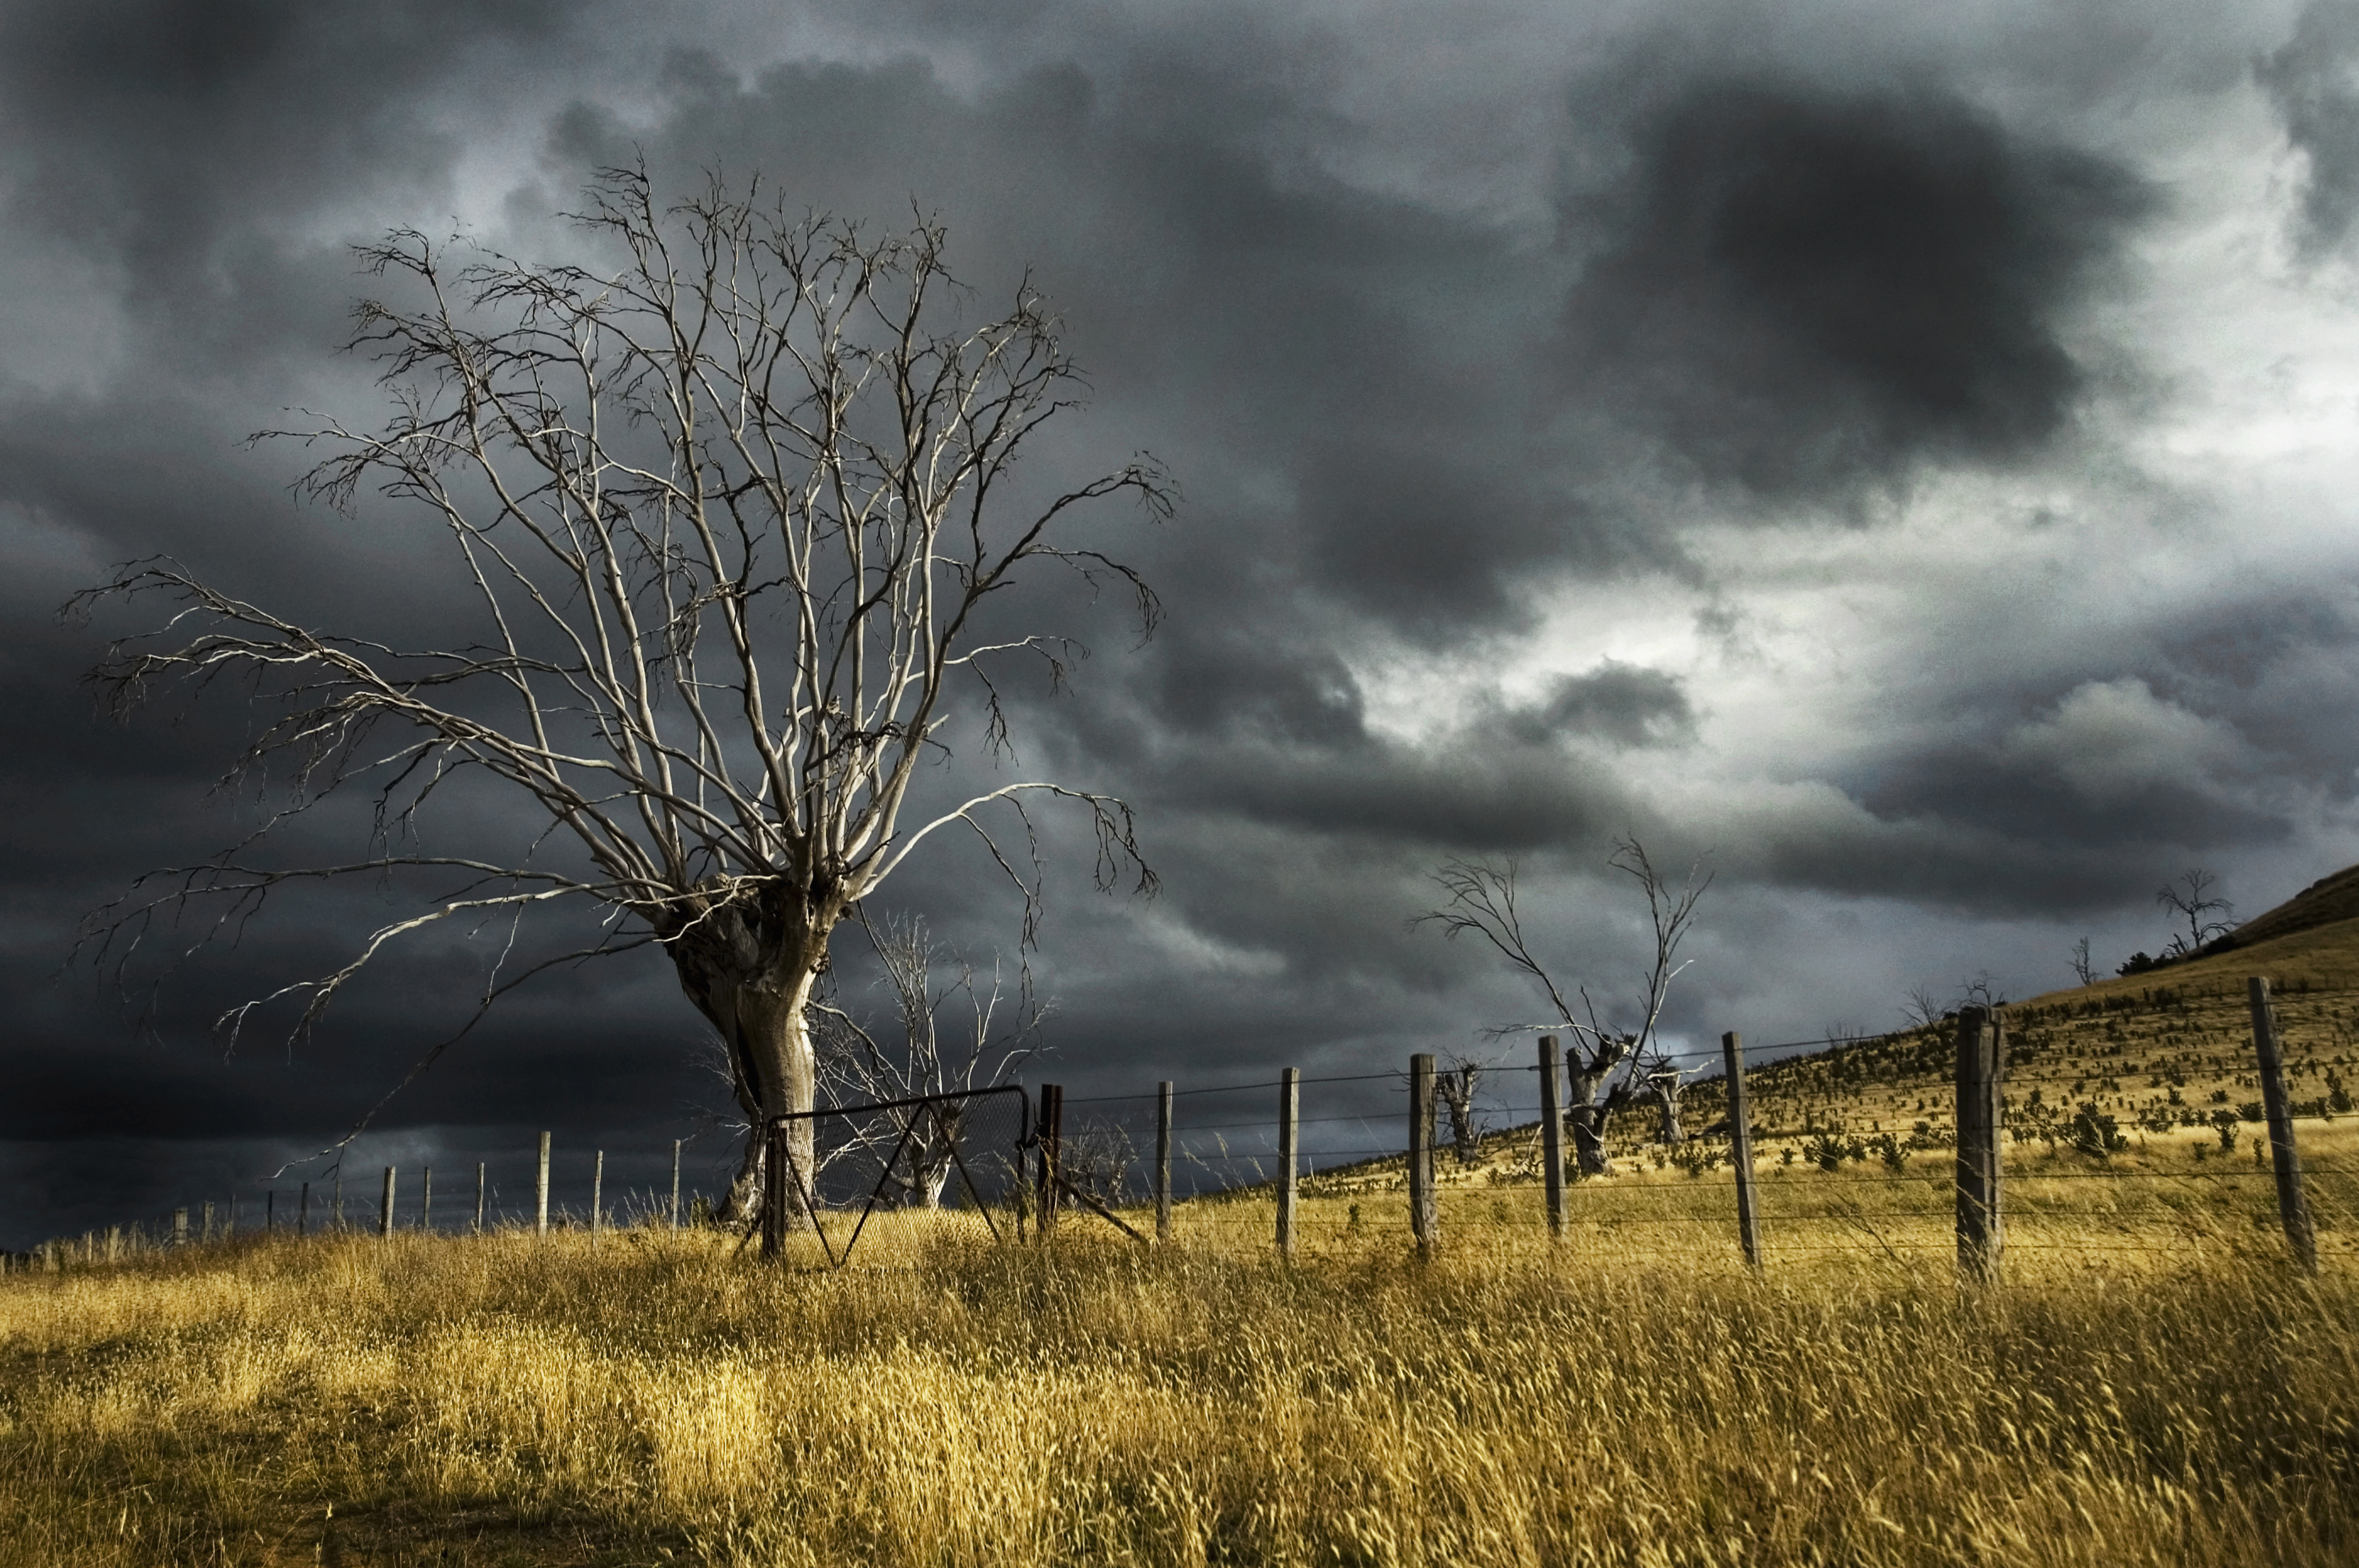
[(2150, 1382)]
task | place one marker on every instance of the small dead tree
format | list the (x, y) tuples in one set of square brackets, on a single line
[(952, 1030), (1607, 1066), (736, 513), (2084, 968), (2189, 899), (1096, 1156), (1455, 1085)]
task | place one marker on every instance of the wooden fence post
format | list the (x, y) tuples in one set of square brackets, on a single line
[(2293, 1208), (675, 1183), (209, 1222), (1552, 1135), (426, 1199), (1422, 1207), (1982, 1063), (303, 1212), (597, 1196), (1289, 1134), (385, 1208), (180, 1227), (1163, 1161), (113, 1242), (541, 1192), (479, 1196), (1052, 1131), (1740, 1153)]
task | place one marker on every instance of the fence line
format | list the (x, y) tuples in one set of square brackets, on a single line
[(1095, 1160)]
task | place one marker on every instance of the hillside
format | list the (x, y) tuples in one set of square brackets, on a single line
[(2162, 1054), (2322, 903)]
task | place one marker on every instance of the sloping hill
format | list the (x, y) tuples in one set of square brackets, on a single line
[(2322, 903)]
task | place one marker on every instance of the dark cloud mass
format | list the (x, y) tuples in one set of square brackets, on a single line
[(1807, 291), (1814, 448)]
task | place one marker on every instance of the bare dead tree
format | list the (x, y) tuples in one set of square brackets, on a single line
[(1455, 1085), (952, 1030), (1922, 1009), (1607, 1065), (730, 511), (2084, 968), (2189, 899)]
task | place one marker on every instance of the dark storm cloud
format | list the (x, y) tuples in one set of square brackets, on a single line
[(1401, 418), (1809, 290), (1625, 704), (2314, 83)]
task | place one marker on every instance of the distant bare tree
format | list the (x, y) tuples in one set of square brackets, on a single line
[(2190, 898), (1607, 1065), (729, 513), (952, 1029), (1922, 1009), (2083, 968), (1456, 1084)]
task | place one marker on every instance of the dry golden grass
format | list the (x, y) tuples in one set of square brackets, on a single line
[(2150, 1382), (1628, 1396)]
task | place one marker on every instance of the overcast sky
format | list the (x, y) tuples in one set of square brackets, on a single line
[(1899, 457)]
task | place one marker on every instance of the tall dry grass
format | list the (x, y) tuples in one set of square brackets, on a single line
[(1614, 1399)]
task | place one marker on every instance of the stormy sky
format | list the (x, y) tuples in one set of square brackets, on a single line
[(1897, 459)]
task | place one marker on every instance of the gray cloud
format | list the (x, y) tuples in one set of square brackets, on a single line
[(2314, 82)]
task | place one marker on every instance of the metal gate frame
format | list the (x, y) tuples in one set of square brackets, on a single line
[(782, 1180)]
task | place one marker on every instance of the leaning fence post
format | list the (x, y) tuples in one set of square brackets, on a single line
[(597, 1196), (1289, 1132), (384, 1209), (1052, 1130), (1740, 1152), (1981, 1066), (675, 1183), (1420, 1150), (1163, 1161), (479, 1197), (541, 1192), (1552, 1135), (2293, 1208)]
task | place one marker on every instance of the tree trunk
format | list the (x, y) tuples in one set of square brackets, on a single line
[(1584, 1112), (1457, 1091), (753, 993), (1668, 1092)]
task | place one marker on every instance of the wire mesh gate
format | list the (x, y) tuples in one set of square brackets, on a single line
[(923, 1153)]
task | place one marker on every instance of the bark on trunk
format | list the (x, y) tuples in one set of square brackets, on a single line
[(1584, 1112), (1457, 1091), (1668, 1091), (752, 983)]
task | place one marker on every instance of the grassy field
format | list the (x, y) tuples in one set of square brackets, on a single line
[(1628, 1396), (2149, 1381)]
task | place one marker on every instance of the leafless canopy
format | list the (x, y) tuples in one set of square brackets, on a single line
[(730, 508), (1482, 901), (2189, 899)]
